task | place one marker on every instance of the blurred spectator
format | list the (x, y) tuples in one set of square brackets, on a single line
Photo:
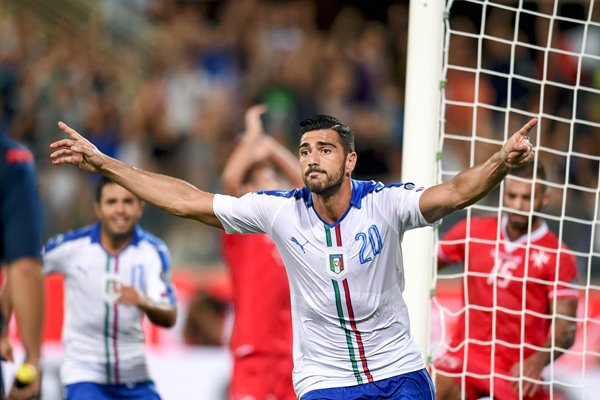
[(205, 320)]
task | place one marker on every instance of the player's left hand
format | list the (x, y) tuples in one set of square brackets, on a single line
[(517, 150), (532, 369), (131, 296)]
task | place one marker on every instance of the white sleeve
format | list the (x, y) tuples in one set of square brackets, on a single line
[(246, 214), (159, 287), (54, 255), (402, 202)]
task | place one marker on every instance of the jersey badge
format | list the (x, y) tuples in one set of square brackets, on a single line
[(111, 285), (336, 262), (540, 258)]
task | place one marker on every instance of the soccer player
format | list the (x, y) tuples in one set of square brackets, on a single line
[(340, 242), (261, 342), (502, 254), (20, 245), (115, 274)]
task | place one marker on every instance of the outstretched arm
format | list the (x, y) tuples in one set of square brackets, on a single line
[(474, 183), (173, 195), (285, 162), (246, 153)]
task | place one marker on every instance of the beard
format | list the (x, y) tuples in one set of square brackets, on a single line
[(520, 223), (119, 235), (328, 187)]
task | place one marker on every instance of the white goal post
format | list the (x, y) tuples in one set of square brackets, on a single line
[(421, 127)]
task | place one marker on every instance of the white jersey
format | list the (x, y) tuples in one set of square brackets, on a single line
[(346, 280), (103, 342)]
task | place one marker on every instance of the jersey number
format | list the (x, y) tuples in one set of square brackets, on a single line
[(374, 240), (503, 272)]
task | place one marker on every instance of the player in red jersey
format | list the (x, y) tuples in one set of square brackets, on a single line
[(261, 342), (501, 255)]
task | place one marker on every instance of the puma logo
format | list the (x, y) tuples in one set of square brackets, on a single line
[(295, 241)]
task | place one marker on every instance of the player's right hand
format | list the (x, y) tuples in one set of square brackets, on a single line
[(76, 150)]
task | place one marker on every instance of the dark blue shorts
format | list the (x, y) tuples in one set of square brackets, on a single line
[(411, 386), (96, 391)]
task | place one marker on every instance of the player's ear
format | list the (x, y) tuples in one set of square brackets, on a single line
[(545, 198), (351, 162), (97, 209)]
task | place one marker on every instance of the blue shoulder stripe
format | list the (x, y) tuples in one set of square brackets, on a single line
[(163, 253), (61, 239), (288, 194), (360, 189), (158, 244)]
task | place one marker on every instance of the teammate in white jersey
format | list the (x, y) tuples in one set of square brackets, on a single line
[(340, 242), (115, 274)]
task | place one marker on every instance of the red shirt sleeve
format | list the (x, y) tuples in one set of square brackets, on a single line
[(451, 247), (567, 274)]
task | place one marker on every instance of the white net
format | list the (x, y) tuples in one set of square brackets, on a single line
[(504, 63)]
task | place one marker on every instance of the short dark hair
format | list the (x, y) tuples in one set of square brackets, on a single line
[(249, 175), (103, 181), (318, 122), (528, 172)]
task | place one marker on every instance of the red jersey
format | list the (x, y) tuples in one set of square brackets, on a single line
[(261, 297), (544, 266)]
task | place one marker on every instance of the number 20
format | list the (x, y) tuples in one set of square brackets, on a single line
[(374, 240)]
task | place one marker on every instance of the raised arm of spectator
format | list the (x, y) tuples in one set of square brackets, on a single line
[(254, 147), (474, 183), (285, 162), (173, 195), (246, 153)]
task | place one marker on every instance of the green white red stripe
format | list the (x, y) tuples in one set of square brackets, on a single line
[(111, 369), (353, 330)]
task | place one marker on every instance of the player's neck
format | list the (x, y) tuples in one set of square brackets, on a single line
[(333, 207)]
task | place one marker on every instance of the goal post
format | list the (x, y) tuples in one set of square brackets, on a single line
[(421, 131)]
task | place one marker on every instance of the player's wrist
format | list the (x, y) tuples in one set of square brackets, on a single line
[(143, 303), (541, 358), (34, 361)]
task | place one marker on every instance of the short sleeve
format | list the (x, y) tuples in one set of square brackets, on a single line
[(54, 254), (246, 214), (159, 286), (567, 274), (451, 248), (401, 201)]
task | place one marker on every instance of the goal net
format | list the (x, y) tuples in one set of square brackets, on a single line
[(505, 62)]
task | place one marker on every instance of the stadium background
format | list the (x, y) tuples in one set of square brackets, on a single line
[(163, 84)]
